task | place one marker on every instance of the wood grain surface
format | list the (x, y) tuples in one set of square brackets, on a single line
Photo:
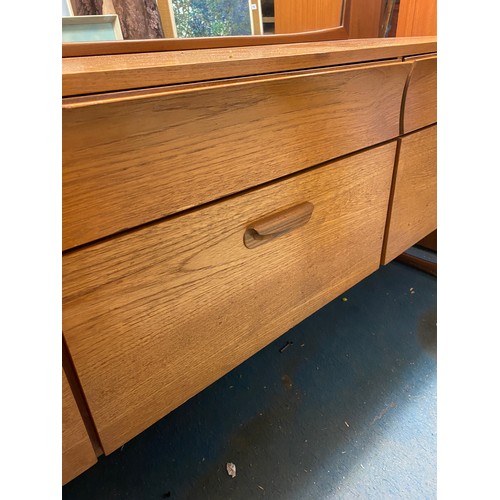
[(167, 18), (294, 16), (420, 102), (417, 17), (413, 213), (187, 147), (93, 74), (156, 315), (77, 451), (365, 18)]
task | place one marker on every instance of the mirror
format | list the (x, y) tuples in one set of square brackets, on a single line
[(177, 21)]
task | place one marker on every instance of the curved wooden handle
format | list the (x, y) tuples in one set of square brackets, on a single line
[(275, 225)]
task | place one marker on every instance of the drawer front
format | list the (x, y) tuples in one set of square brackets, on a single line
[(420, 103), (156, 315), (77, 451), (131, 160), (413, 213)]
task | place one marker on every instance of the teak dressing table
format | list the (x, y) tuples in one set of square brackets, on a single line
[(214, 198)]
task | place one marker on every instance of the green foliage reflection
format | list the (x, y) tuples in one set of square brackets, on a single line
[(195, 18)]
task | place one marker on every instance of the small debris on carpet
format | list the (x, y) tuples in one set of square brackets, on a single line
[(231, 469), (288, 343)]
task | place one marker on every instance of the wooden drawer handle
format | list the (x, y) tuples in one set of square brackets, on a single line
[(275, 225)]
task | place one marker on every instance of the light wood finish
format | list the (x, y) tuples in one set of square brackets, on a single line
[(108, 7), (413, 213), (167, 18), (187, 147), (154, 316), (294, 16), (85, 75), (77, 451), (417, 17), (172, 44), (70, 7), (420, 103), (220, 219), (256, 17)]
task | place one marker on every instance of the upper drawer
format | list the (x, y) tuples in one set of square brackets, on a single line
[(131, 159), (155, 315), (420, 103)]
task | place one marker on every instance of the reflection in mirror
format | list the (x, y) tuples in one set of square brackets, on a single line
[(200, 18), (158, 19), (295, 16)]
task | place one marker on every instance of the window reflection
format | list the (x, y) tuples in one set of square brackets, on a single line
[(150, 19)]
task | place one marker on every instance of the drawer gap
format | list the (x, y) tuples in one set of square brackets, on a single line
[(76, 389), (218, 200)]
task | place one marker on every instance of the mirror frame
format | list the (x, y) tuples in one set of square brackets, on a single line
[(79, 49)]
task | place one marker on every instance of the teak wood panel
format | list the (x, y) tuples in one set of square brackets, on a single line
[(417, 18), (295, 16), (365, 19), (77, 451), (154, 316), (92, 74), (131, 161), (420, 104), (413, 213)]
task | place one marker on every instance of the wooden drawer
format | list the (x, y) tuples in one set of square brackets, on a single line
[(77, 451), (156, 315), (413, 212), (134, 157), (420, 103)]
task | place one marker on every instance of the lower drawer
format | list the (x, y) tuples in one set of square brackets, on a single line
[(413, 213), (77, 450), (156, 315)]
